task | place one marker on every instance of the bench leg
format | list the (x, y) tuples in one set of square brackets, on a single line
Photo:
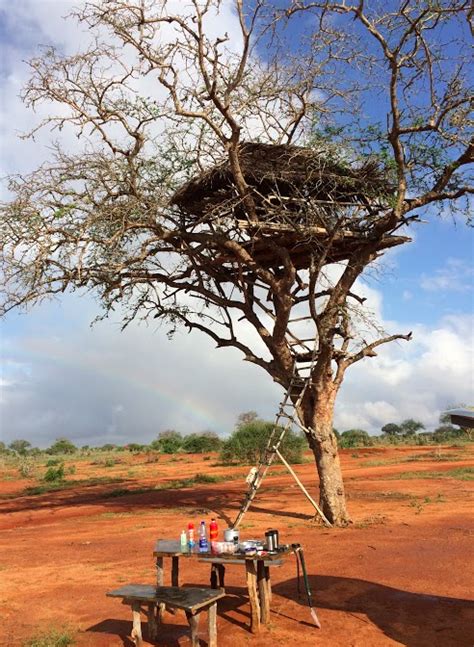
[(193, 621), (212, 625), (137, 624), (253, 596)]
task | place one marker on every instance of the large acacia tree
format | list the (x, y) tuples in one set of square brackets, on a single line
[(163, 103)]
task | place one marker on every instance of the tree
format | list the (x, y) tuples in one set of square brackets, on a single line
[(409, 427), (206, 441), (62, 446), (168, 442), (391, 429), (233, 191), (355, 438), (248, 441), (445, 418), (20, 446)]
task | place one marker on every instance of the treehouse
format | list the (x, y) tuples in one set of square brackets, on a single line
[(297, 198)]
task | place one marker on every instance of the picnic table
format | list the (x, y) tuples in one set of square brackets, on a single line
[(257, 568)]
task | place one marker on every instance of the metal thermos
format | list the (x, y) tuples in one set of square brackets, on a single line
[(271, 537)]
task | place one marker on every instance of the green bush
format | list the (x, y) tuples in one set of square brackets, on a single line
[(355, 438), (54, 474), (168, 442), (62, 446), (247, 443), (201, 443)]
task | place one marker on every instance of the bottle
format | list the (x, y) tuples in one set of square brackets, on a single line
[(191, 541), (213, 530), (213, 535), (203, 545), (183, 540)]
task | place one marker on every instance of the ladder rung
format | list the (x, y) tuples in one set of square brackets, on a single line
[(305, 318)]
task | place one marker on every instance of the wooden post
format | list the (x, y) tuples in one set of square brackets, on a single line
[(159, 582), (263, 593), (212, 625), (303, 489), (175, 571), (193, 621), (269, 584), (152, 628), (137, 624), (253, 596)]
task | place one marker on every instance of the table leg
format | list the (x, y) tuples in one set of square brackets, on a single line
[(269, 584), (159, 582), (175, 571), (263, 593), (221, 571), (253, 595), (152, 628)]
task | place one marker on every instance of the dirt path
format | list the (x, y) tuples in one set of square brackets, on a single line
[(402, 574)]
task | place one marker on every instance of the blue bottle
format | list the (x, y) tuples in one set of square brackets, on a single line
[(203, 543)]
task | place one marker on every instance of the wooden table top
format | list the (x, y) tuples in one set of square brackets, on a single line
[(172, 548)]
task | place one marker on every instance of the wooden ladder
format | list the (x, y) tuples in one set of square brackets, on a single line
[(284, 420)]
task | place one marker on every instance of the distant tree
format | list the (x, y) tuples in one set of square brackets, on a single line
[(409, 427), (207, 441), (355, 438), (391, 429), (62, 446), (135, 447), (246, 417), (446, 433), (20, 446), (248, 441), (108, 447), (3, 448), (168, 442)]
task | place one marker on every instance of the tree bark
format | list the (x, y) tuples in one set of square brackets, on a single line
[(318, 418)]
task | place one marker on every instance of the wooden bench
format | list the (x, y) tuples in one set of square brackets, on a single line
[(192, 600)]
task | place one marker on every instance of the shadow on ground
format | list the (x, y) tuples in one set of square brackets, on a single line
[(412, 619)]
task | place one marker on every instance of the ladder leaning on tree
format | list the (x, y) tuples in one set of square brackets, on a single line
[(287, 412)]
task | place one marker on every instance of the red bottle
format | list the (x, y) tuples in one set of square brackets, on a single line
[(213, 533)]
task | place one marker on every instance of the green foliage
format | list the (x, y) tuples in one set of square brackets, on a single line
[(391, 429), (135, 448), (20, 446), (446, 433), (62, 446), (54, 474), (168, 442), (355, 438), (247, 443), (51, 638), (51, 462), (26, 467), (202, 443)]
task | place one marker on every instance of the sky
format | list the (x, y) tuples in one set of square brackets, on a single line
[(95, 385)]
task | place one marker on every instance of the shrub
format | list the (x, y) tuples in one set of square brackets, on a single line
[(355, 438), (168, 442), (247, 443), (54, 474), (201, 443), (62, 446)]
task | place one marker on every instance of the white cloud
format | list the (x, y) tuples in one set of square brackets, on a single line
[(457, 275)]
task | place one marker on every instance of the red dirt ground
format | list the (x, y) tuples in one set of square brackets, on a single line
[(402, 574)]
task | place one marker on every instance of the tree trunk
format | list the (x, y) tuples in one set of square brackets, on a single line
[(323, 442)]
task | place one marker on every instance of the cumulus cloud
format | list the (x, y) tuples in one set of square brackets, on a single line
[(457, 275)]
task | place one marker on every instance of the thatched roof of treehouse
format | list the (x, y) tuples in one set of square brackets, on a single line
[(298, 193)]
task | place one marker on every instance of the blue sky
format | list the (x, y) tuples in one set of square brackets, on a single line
[(62, 378)]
